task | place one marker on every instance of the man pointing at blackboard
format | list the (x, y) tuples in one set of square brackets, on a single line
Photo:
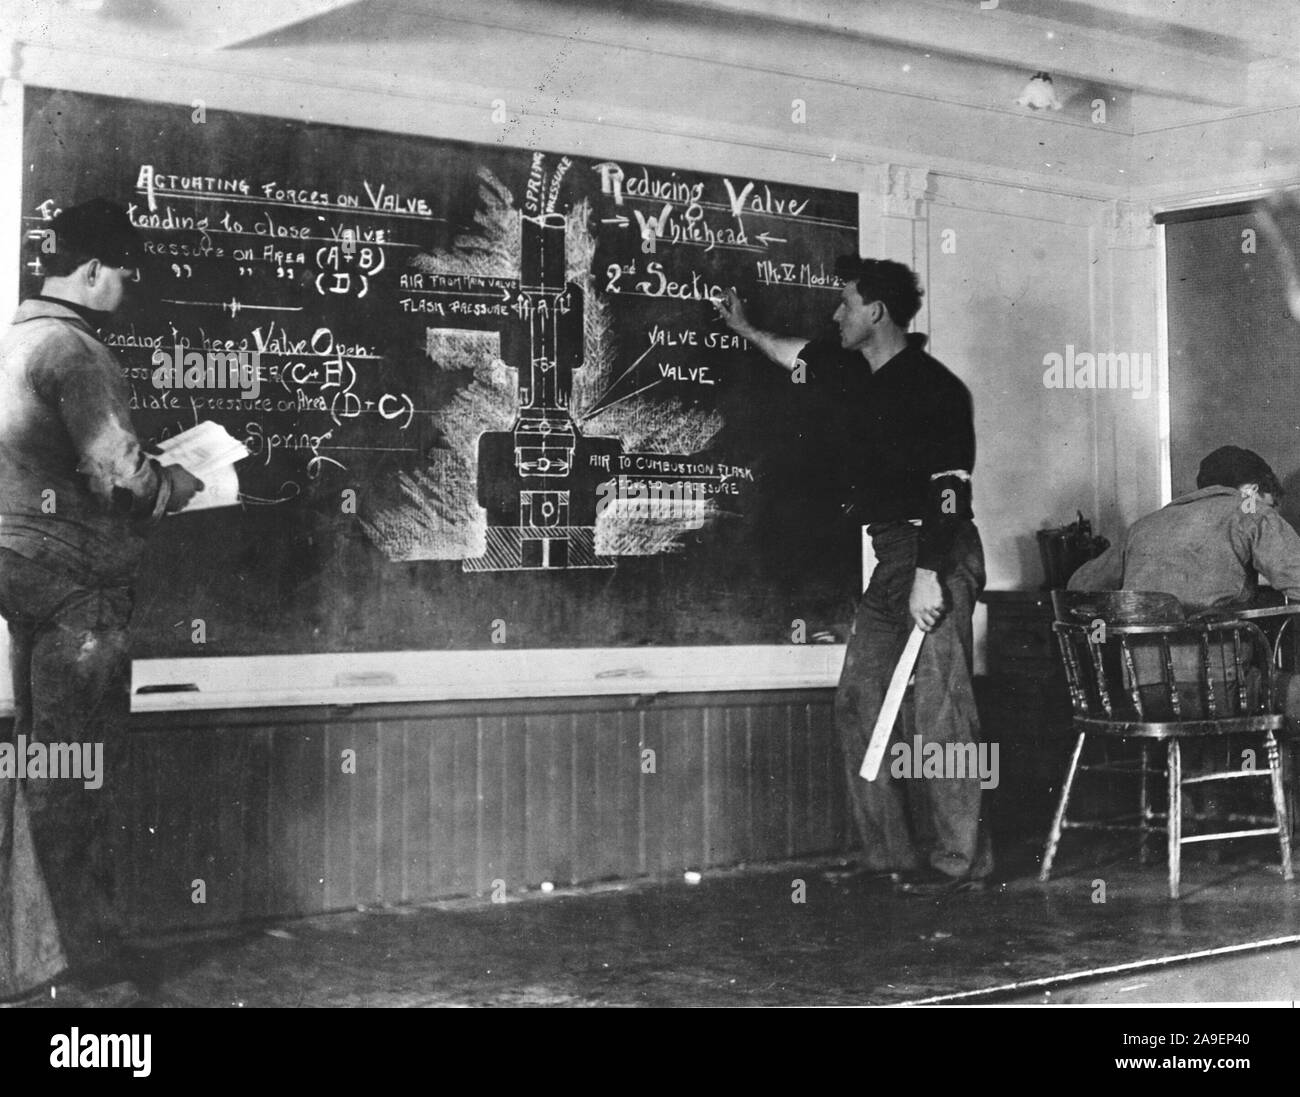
[(905, 434), (77, 497)]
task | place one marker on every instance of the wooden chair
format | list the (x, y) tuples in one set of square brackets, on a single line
[(1104, 639)]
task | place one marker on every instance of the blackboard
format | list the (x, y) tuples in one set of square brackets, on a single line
[(487, 398)]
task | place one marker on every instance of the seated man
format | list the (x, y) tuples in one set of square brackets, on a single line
[(1207, 548)]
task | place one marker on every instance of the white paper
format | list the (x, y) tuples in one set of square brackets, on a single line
[(220, 489), (202, 448), (209, 452)]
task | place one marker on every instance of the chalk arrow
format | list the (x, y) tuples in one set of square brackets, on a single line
[(621, 222), (768, 241)]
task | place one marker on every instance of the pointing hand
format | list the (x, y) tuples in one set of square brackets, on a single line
[(732, 311)]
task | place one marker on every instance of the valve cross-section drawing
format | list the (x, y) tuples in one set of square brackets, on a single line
[(538, 480), (542, 467)]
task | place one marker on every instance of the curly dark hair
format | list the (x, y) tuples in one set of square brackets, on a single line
[(892, 284)]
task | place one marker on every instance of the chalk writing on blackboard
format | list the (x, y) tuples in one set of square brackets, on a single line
[(505, 361)]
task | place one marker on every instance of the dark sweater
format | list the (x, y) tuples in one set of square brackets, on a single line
[(903, 431)]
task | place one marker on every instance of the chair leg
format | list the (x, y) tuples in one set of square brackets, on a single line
[(1288, 781), (1279, 804), (1175, 819), (1054, 838), (1144, 805)]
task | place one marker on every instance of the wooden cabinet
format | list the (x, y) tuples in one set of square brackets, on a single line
[(1025, 708), (1020, 640)]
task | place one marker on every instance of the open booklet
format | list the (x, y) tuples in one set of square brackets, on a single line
[(209, 452)]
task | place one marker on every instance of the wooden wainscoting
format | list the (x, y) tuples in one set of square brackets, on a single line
[(448, 798)]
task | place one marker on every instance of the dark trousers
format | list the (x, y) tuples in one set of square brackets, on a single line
[(71, 679), (907, 823)]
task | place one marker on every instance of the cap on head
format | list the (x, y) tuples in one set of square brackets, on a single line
[(98, 229), (1232, 466)]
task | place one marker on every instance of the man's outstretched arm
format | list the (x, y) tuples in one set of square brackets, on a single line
[(781, 349)]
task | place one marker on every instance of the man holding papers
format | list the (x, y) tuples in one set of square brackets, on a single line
[(77, 499)]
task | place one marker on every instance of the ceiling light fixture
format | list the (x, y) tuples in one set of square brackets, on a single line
[(1039, 94)]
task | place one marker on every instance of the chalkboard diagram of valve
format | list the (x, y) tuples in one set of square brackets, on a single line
[(538, 480)]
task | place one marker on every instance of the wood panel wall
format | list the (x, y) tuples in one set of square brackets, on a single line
[(449, 799)]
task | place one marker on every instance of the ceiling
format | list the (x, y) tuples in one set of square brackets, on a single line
[(1223, 53), (1173, 61)]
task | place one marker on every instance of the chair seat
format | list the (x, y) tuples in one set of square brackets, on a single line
[(1184, 729)]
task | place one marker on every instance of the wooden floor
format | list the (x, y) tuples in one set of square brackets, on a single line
[(738, 938)]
